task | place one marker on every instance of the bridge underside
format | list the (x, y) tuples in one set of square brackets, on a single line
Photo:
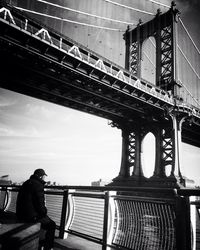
[(133, 217), (35, 75), (32, 66), (31, 74)]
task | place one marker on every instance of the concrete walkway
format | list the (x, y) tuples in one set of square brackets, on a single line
[(75, 243)]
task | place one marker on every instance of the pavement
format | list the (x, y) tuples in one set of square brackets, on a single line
[(76, 243)]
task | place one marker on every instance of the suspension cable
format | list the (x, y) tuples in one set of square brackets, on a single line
[(149, 59), (162, 4), (189, 62), (112, 29), (85, 13), (128, 7), (189, 36), (67, 20), (152, 42), (195, 100)]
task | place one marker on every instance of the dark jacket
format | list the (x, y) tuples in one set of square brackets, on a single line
[(30, 200)]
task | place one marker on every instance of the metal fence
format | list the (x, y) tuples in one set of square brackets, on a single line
[(125, 218)]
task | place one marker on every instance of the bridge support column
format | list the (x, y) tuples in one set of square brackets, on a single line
[(128, 153), (167, 154), (131, 168), (168, 144), (177, 128)]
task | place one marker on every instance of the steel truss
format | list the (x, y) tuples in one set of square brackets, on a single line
[(167, 150), (52, 67)]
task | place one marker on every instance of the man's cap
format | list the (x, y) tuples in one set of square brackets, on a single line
[(39, 172)]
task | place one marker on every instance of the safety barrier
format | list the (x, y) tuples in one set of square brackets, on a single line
[(130, 218)]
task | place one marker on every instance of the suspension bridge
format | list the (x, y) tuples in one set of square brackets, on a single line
[(156, 91), (165, 104)]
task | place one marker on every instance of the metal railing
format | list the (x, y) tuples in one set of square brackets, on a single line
[(126, 218)]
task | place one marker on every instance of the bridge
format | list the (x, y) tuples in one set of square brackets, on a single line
[(43, 63)]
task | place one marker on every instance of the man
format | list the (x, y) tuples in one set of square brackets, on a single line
[(31, 207)]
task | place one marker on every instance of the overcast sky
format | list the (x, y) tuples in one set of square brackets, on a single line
[(73, 147)]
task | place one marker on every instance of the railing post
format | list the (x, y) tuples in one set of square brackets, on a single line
[(105, 222), (4, 198), (5, 203), (63, 214), (193, 218), (183, 224)]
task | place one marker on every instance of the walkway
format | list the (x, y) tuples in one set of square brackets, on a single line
[(76, 243)]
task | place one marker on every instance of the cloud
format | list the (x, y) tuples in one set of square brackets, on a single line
[(12, 130), (33, 109), (6, 101), (5, 131)]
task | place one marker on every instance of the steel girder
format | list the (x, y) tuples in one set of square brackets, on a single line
[(52, 67), (77, 78)]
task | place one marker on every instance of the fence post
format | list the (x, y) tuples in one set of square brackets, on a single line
[(183, 225), (188, 223), (63, 214), (4, 198), (105, 222)]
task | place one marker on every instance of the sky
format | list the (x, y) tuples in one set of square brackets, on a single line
[(189, 13), (73, 147)]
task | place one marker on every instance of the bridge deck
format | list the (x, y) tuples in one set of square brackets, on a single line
[(54, 68)]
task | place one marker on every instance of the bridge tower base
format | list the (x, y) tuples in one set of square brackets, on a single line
[(167, 154)]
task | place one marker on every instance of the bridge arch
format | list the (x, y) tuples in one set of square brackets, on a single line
[(148, 60), (148, 154), (162, 27), (168, 170)]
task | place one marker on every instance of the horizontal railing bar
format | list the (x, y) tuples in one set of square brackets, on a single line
[(9, 187), (188, 192), (181, 191), (57, 190), (115, 188), (85, 236), (142, 199), (98, 196), (54, 192)]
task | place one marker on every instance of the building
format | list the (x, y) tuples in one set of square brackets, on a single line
[(4, 180), (99, 183)]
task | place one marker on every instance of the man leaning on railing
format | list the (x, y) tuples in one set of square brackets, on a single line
[(31, 207)]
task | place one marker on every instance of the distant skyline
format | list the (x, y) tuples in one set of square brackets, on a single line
[(73, 147)]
